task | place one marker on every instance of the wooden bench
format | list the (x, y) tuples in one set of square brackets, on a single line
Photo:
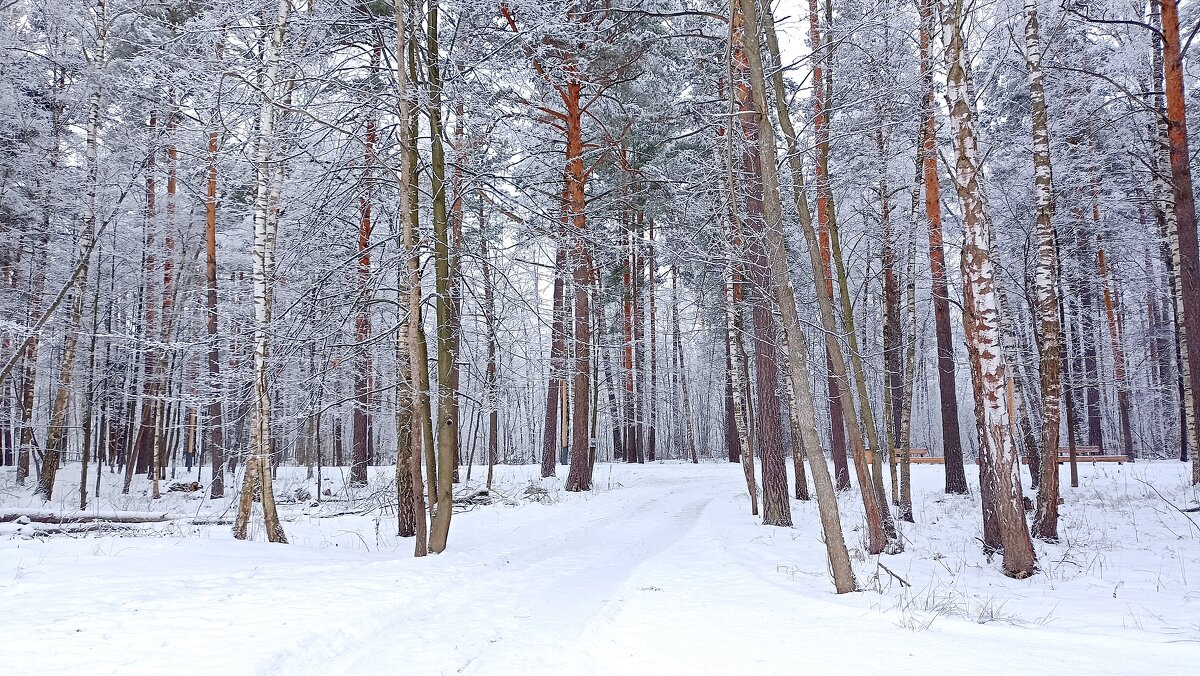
[(1089, 454), (927, 460), (1065, 459), (918, 456)]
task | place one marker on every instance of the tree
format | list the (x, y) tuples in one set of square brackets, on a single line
[(444, 274), (1185, 244), (268, 184), (1045, 284), (956, 478), (839, 560), (997, 455)]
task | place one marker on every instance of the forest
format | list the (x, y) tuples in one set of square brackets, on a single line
[(867, 298)]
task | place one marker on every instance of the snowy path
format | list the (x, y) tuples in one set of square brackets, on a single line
[(549, 590), (660, 570)]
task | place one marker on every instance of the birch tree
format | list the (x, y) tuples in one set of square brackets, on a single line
[(998, 454), (267, 186)]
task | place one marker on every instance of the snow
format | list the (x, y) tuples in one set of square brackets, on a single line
[(660, 569)]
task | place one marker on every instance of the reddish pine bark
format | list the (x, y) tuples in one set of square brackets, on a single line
[(956, 478)]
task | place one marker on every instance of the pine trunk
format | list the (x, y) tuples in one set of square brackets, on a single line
[(214, 429), (1185, 250), (839, 560), (777, 510), (579, 477), (956, 478)]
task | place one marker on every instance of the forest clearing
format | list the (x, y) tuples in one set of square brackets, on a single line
[(658, 570), (599, 336)]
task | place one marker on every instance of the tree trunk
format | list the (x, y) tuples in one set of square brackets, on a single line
[(579, 477), (837, 433), (89, 398), (410, 497), (1185, 249), (1045, 283), (839, 560), (1085, 291), (956, 478), (447, 365), (798, 453), (491, 378), (873, 506), (733, 447), (893, 352), (362, 319), (216, 421), (1111, 313), (777, 510), (614, 414), (998, 455), (651, 273), (56, 433), (685, 396), (268, 171), (910, 364), (558, 344)]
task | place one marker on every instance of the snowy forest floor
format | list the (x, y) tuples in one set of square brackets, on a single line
[(660, 569)]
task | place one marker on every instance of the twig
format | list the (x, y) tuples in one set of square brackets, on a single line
[(903, 582), (1164, 499)]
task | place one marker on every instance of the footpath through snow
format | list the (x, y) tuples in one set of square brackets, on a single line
[(659, 570)]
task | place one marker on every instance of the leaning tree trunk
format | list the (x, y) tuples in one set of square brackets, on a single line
[(998, 455), (267, 169), (781, 284), (873, 506)]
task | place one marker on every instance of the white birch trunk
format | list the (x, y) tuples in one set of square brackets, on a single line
[(267, 190), (981, 315)]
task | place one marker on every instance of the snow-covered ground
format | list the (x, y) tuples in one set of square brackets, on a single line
[(660, 569)]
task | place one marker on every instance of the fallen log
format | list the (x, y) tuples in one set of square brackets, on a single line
[(110, 516)]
